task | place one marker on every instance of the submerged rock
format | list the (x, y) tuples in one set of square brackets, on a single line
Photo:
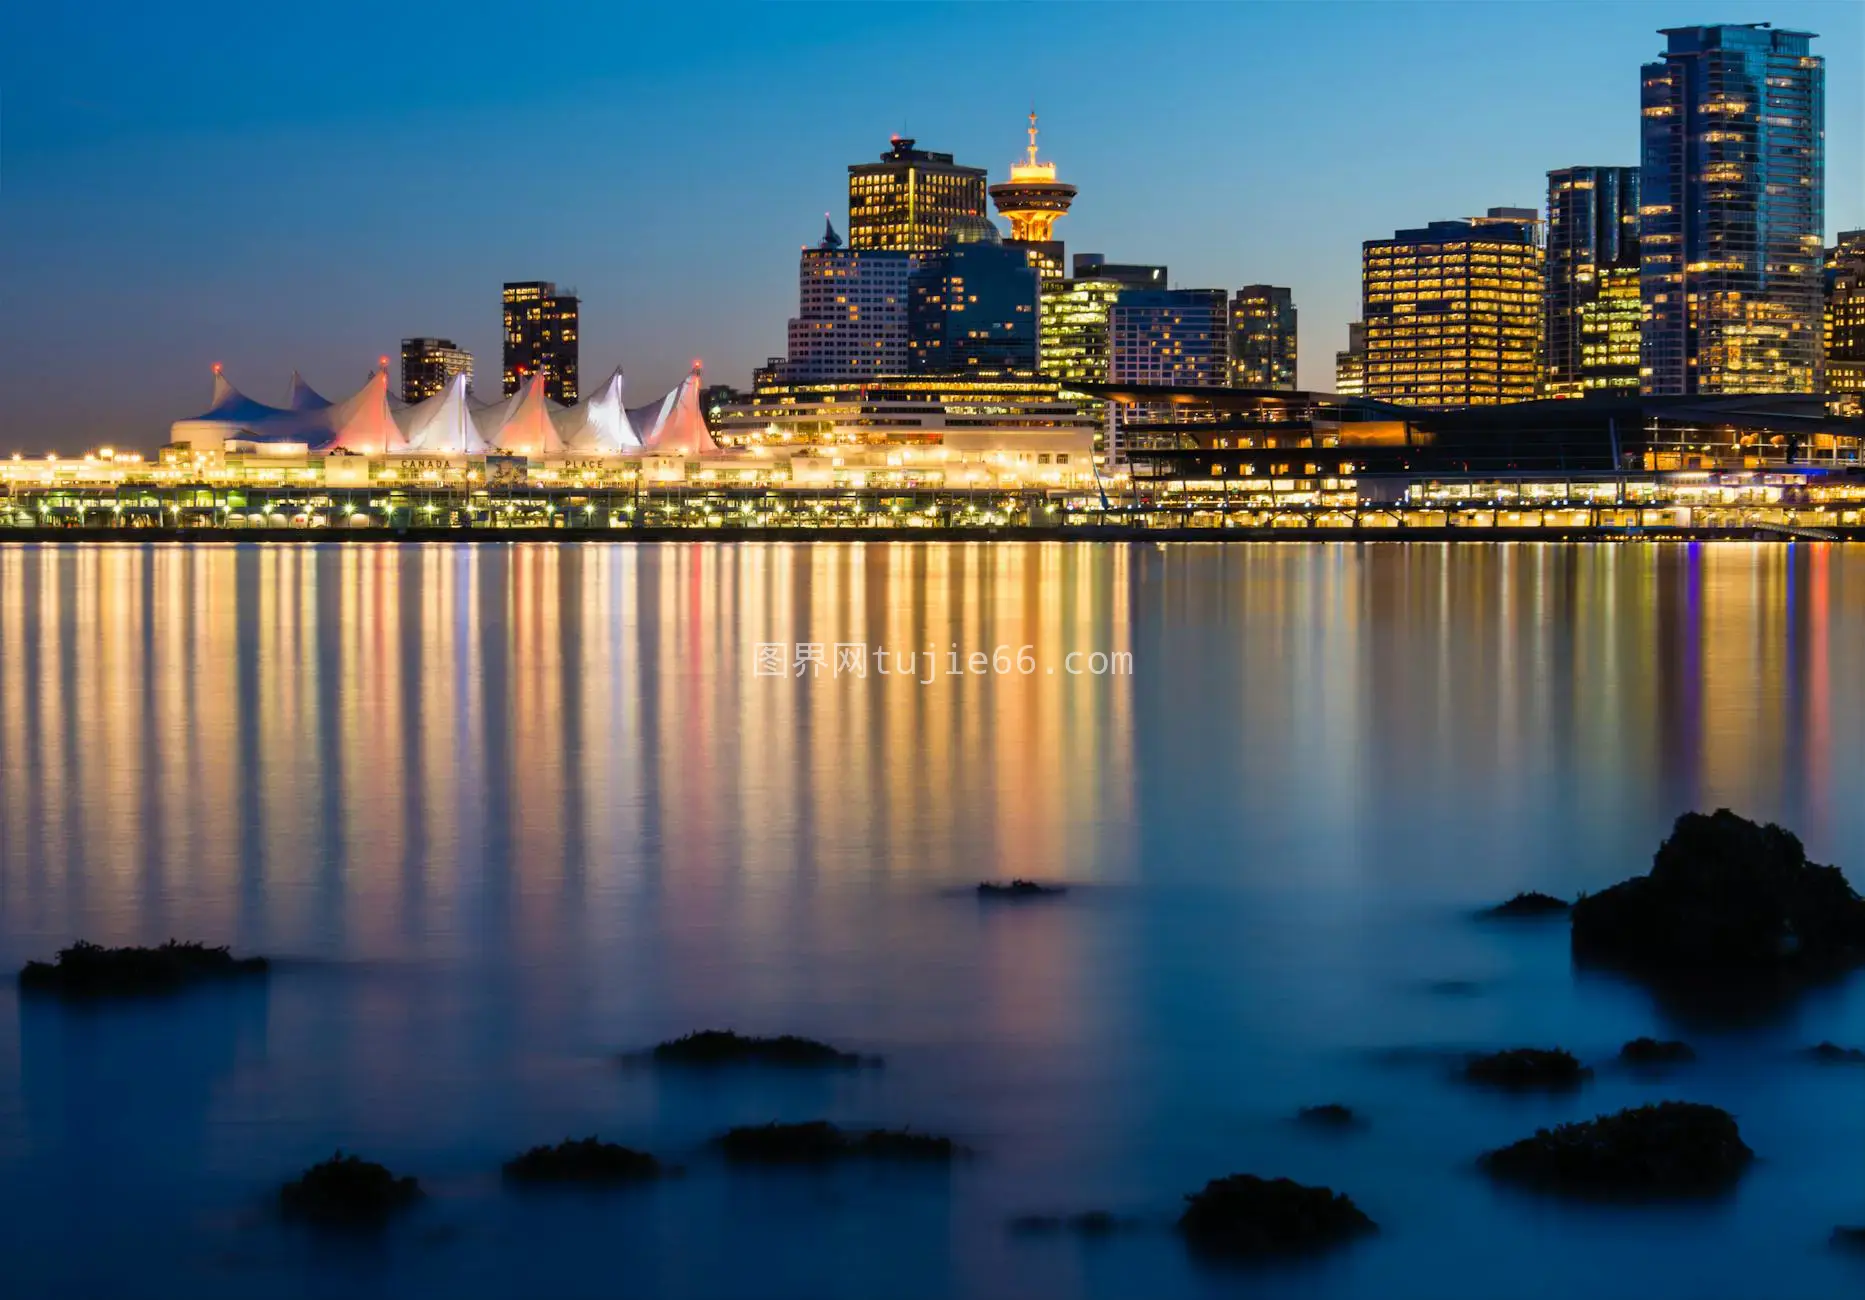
[(724, 1047), (1529, 904), (1849, 1238), (1527, 1067), (1654, 1051), (1327, 1115), (1018, 889), (582, 1160), (1088, 1223), (91, 970), (1246, 1217), (819, 1141), (1834, 1054), (347, 1192), (1674, 1148), (1724, 895)]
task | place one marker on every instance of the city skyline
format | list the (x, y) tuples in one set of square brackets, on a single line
[(166, 232)]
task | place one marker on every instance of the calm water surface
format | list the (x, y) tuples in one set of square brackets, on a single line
[(507, 811)]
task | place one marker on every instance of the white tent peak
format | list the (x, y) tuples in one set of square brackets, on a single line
[(444, 424), (680, 426), (363, 422), (599, 423), (303, 396), (525, 427)]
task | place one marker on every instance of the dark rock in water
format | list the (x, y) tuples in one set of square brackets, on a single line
[(1529, 904), (1019, 889), (347, 1192), (1675, 1148), (1527, 1067), (1653, 1051), (583, 1160), (1454, 988), (1328, 1115), (1834, 1054), (818, 1141), (1088, 1223), (724, 1047), (1246, 1217), (91, 970), (1724, 895), (1849, 1238)]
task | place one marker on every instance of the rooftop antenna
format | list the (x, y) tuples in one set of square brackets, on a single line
[(1032, 135)]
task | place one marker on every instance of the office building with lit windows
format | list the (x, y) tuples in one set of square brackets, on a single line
[(1075, 311), (1350, 365), (1844, 324), (1453, 312), (1732, 212), (1590, 309), (1262, 338), (427, 365), (972, 306), (910, 198), (851, 320), (541, 338), (1167, 338)]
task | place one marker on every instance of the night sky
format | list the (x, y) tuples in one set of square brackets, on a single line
[(212, 182)]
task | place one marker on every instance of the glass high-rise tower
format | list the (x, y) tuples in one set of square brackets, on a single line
[(1590, 309), (1732, 212)]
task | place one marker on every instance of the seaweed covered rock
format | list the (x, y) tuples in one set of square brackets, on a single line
[(1654, 1051), (1529, 904), (716, 1047), (1673, 1148), (582, 1160), (1527, 1067), (1834, 1054), (1246, 1217), (1724, 895), (1019, 889), (91, 970), (347, 1192), (1327, 1115), (819, 1141)]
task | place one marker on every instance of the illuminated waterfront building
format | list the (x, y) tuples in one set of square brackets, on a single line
[(1453, 312), (910, 198), (541, 338), (1262, 338), (851, 320), (1350, 366), (427, 365), (1845, 314), (901, 409), (1074, 336), (1163, 337), (1031, 201), (1590, 316), (1732, 210), (972, 306)]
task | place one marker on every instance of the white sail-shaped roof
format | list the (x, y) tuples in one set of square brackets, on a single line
[(598, 425), (525, 427), (363, 422), (442, 425), (303, 396), (680, 426)]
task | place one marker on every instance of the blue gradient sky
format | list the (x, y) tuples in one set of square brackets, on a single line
[(213, 182)]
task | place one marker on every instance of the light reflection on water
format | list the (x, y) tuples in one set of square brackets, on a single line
[(507, 810)]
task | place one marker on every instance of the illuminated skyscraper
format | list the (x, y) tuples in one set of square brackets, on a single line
[(1031, 201), (1075, 314), (1169, 336), (851, 320), (427, 365), (1453, 312), (910, 198), (541, 335), (1732, 180), (1845, 314), (1350, 366), (1590, 318), (1262, 338), (972, 306)]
